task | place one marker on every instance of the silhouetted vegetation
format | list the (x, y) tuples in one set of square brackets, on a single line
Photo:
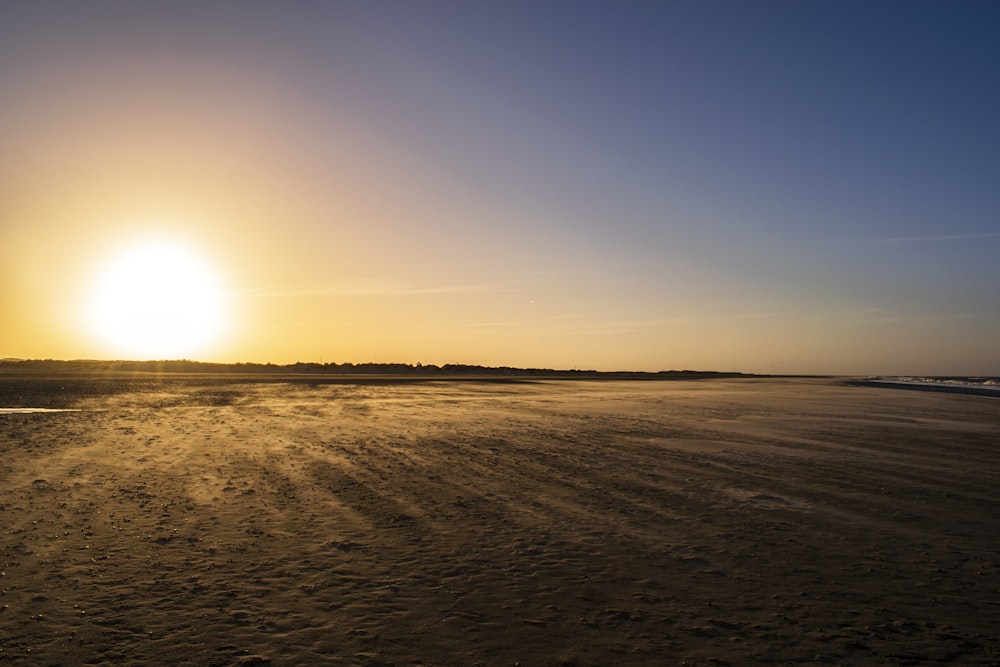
[(90, 366)]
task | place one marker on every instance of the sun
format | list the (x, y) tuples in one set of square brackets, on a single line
[(156, 299)]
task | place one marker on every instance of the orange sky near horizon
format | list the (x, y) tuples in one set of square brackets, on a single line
[(401, 186)]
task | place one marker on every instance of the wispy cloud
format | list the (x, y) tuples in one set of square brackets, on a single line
[(579, 326), (378, 288), (918, 318), (903, 240)]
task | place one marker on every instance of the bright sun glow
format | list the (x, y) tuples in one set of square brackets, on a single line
[(157, 300)]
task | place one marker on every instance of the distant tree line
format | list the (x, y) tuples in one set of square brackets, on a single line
[(347, 368)]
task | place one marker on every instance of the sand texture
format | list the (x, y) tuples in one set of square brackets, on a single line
[(722, 522)]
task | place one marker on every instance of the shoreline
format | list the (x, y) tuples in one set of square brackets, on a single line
[(913, 386)]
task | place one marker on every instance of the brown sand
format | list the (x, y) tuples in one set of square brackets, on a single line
[(556, 523)]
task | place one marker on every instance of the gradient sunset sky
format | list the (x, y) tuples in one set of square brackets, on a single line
[(754, 186)]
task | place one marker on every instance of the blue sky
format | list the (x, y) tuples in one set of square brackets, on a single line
[(796, 186)]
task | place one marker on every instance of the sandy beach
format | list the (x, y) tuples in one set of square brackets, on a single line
[(717, 522)]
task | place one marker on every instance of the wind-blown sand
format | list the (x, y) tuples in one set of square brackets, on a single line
[(553, 523)]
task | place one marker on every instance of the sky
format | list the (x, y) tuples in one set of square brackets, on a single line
[(794, 187)]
